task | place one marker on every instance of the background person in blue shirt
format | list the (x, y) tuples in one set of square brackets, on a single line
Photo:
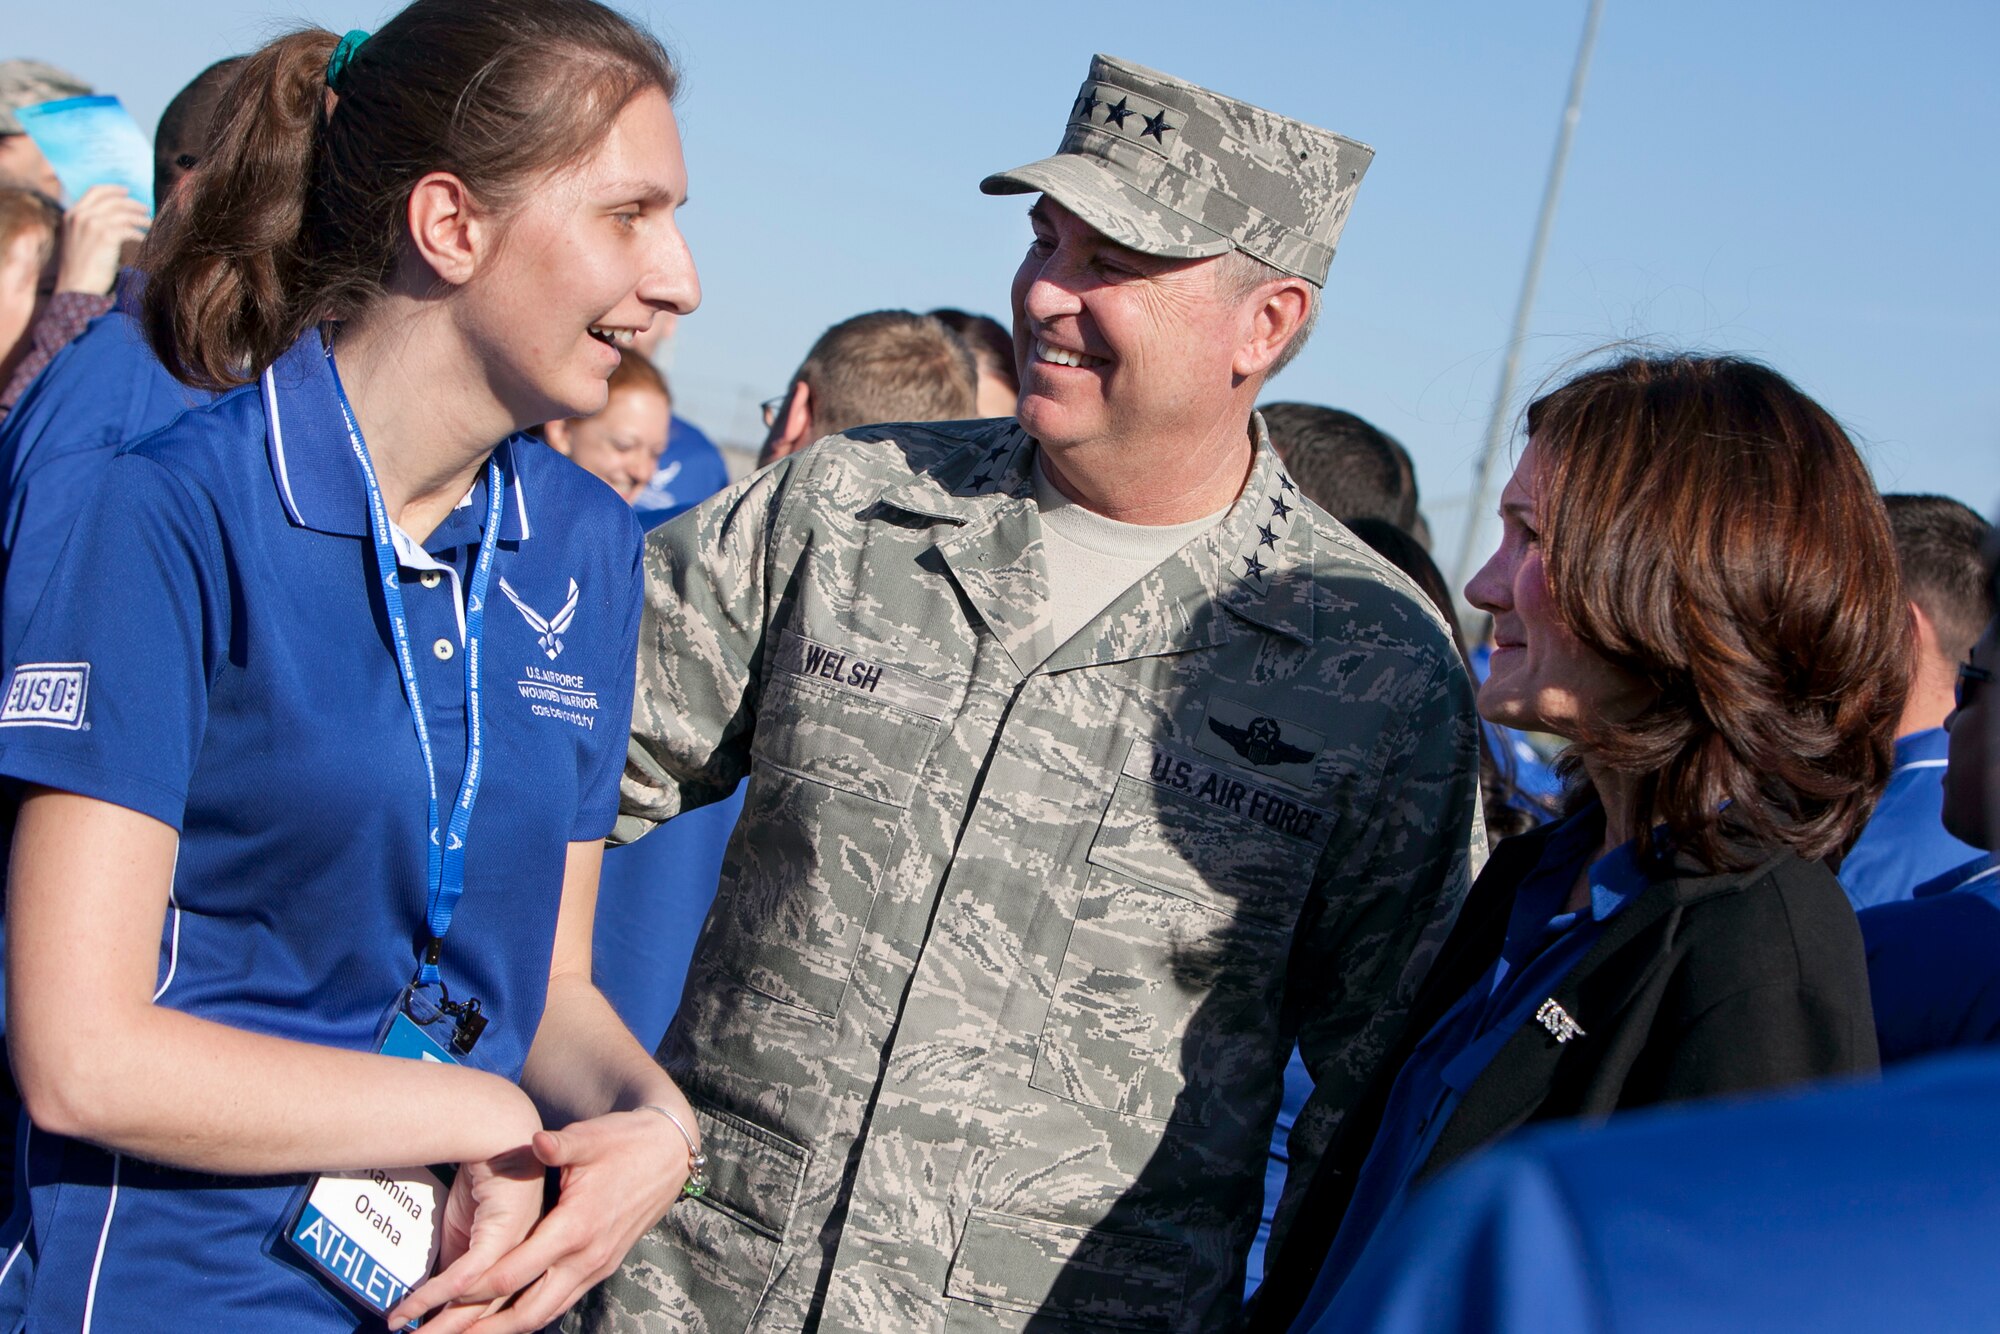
[(1934, 961), (102, 390), (1972, 778), (690, 469), (257, 663), (1679, 934), (620, 443), (651, 895), (1939, 547), (1857, 1208)]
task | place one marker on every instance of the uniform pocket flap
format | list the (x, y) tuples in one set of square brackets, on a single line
[(1071, 1273), (754, 1174), (841, 737)]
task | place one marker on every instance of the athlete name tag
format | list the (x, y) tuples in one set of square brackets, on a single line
[(374, 1235)]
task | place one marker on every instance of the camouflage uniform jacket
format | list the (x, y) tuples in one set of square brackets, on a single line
[(991, 1014)]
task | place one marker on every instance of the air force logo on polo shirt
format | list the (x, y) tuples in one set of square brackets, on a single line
[(47, 694), (551, 629), (552, 694)]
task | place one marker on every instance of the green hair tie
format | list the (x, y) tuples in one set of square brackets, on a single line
[(343, 55)]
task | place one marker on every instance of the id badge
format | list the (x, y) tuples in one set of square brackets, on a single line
[(375, 1235)]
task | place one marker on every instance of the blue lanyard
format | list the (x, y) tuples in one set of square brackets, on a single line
[(446, 862)]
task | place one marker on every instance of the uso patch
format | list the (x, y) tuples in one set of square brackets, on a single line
[(46, 694)]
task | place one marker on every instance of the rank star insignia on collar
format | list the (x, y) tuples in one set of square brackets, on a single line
[(1279, 509), (1252, 566), (1087, 104), (1157, 127), (1265, 537), (1115, 115), (1556, 1019)]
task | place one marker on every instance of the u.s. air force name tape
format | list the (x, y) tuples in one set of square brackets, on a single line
[(1265, 803)]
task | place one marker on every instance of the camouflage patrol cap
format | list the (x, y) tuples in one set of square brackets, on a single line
[(27, 83), (1169, 168)]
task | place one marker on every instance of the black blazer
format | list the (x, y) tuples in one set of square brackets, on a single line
[(1701, 985)]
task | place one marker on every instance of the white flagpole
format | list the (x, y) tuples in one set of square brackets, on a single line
[(1496, 428)]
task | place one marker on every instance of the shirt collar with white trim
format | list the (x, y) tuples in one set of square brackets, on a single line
[(312, 462), (1923, 750)]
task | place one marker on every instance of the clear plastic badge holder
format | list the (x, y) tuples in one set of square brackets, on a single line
[(375, 1234)]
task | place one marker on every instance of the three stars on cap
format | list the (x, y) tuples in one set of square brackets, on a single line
[(1117, 113)]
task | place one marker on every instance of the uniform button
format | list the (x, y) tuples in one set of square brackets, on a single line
[(431, 579), (444, 648)]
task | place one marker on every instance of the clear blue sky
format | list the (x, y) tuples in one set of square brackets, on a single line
[(1811, 183)]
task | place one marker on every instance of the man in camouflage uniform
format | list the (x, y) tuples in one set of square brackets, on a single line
[(986, 1027)]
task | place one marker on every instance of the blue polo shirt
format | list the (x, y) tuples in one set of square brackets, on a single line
[(102, 391), (1934, 968), (654, 895), (1543, 943), (691, 470), (212, 651), (1973, 874), (1298, 1087), (1846, 1208), (1904, 843)]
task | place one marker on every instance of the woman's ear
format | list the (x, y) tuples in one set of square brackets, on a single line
[(557, 434), (447, 231)]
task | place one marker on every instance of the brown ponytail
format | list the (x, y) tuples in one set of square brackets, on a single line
[(223, 262), (297, 212)]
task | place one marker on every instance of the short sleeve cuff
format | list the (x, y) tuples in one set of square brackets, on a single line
[(66, 773)]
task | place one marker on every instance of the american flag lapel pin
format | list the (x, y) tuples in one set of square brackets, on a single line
[(1556, 1019)]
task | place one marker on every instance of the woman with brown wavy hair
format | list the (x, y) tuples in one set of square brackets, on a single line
[(1696, 585)]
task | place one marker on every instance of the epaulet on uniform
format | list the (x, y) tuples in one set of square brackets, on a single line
[(1340, 553), (919, 447)]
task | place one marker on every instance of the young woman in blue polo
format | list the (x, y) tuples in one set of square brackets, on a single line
[(321, 718)]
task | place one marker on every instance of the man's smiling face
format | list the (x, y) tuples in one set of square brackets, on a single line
[(1117, 347)]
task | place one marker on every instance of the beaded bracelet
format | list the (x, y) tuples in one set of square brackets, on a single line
[(696, 1184)]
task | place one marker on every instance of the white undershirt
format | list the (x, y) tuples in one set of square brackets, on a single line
[(1092, 559)]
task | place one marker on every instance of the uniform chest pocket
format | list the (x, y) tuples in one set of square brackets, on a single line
[(837, 737), (832, 774), (1169, 988)]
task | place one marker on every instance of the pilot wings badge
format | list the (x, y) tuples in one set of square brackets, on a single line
[(1262, 742), (550, 630)]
